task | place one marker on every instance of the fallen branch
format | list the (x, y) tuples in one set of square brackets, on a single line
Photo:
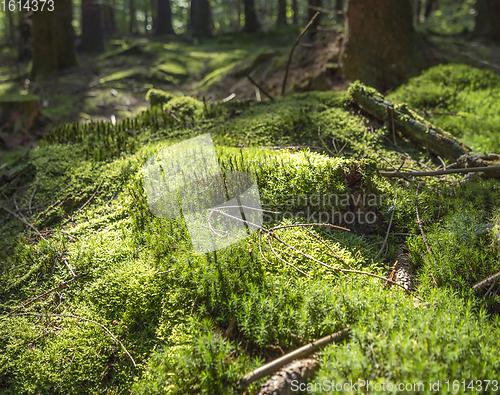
[(301, 352), (86, 319), (486, 281), (438, 172), (283, 88)]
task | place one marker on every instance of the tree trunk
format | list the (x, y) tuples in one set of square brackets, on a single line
[(164, 18), (131, 28), (65, 35), (44, 46), (281, 21), (381, 48), (108, 14), (430, 7), (295, 9), (251, 23), (92, 35), (25, 30), (488, 19), (201, 23), (339, 7), (310, 13)]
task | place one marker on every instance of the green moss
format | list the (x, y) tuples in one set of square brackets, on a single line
[(158, 97)]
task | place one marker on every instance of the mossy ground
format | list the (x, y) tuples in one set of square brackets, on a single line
[(138, 277)]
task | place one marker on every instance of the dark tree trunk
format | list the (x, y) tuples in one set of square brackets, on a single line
[(310, 13), (417, 9), (281, 21), (108, 15), (295, 9), (201, 23), (251, 23), (238, 14), (131, 28), (488, 19), (430, 7), (65, 35), (381, 48), (25, 30), (44, 46), (92, 35), (339, 7), (164, 18)]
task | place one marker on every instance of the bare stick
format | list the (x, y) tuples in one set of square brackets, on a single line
[(438, 172), (86, 319), (420, 225), (301, 352), (29, 302), (386, 235), (37, 184), (486, 281), (283, 88), (285, 262), (259, 87)]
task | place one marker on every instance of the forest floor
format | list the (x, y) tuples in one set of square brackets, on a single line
[(101, 291)]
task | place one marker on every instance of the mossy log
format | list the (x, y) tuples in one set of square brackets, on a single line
[(408, 122), (19, 111)]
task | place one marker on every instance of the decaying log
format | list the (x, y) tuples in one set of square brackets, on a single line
[(301, 352), (408, 122), (297, 372), (477, 159)]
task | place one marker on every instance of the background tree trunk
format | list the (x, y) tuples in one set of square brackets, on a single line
[(281, 21), (44, 46), (339, 7), (131, 27), (65, 35), (310, 13), (164, 18), (251, 23), (381, 48), (201, 23), (92, 36), (295, 9), (25, 30), (108, 15), (488, 19)]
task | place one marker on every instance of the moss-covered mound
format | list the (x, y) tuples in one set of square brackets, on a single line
[(144, 313)]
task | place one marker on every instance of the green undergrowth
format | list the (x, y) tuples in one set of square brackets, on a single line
[(461, 100), (197, 323)]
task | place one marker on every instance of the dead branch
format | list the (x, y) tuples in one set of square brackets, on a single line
[(283, 88), (86, 319), (323, 142), (301, 352), (486, 281), (420, 225), (438, 172)]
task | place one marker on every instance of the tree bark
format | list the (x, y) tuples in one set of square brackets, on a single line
[(25, 36), (65, 35), (201, 23), (310, 13), (281, 21), (251, 23), (92, 35), (295, 9), (488, 19), (108, 14), (44, 46), (164, 18), (382, 48)]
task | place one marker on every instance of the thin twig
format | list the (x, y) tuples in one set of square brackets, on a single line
[(259, 87), (323, 142), (486, 281), (86, 319), (29, 302), (420, 225), (387, 233), (285, 262), (283, 88), (37, 184)]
